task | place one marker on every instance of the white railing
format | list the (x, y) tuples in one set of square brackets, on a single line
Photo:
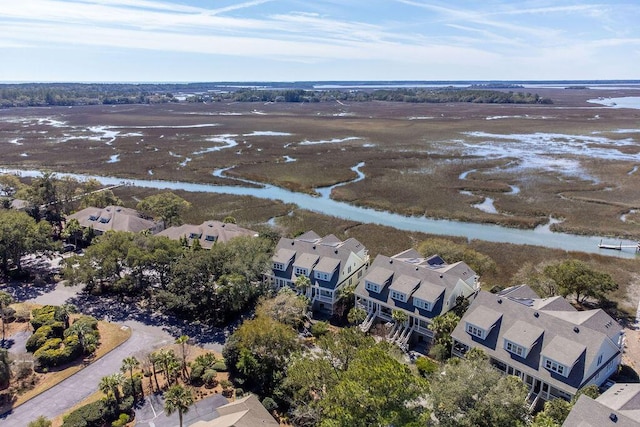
[(368, 322), (323, 298)]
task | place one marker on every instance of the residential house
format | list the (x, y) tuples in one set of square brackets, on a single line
[(329, 263), (208, 233), (115, 218), (421, 288), (244, 412), (554, 348), (619, 406)]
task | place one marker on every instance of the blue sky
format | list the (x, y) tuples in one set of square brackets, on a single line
[(286, 40)]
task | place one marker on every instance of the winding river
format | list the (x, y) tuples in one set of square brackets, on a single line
[(541, 236)]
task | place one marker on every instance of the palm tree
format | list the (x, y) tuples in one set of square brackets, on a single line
[(154, 359), (128, 365), (167, 359), (178, 399), (81, 329), (110, 385), (5, 300), (183, 341), (64, 312)]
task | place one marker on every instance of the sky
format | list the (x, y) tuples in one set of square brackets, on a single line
[(309, 40)]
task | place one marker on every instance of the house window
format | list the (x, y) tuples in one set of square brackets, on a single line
[(209, 238), (475, 331), (599, 360), (321, 276), (278, 266), (194, 236), (372, 287), (514, 348), (422, 304), (554, 366), (301, 271), (104, 220), (349, 270), (93, 218), (399, 296), (359, 274)]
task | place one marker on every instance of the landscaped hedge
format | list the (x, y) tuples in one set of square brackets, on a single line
[(56, 352)]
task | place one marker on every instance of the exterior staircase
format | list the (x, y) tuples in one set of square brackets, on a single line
[(368, 322)]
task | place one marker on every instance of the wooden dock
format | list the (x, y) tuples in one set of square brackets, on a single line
[(618, 247)]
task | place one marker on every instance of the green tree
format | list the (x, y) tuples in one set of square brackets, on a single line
[(5, 300), (21, 235), (128, 365), (110, 385), (72, 231), (178, 399), (183, 341), (166, 206), (375, 389), (575, 277), (286, 307), (356, 315), (5, 369), (452, 252), (302, 283), (399, 316), (472, 393), (443, 326), (259, 350), (555, 411)]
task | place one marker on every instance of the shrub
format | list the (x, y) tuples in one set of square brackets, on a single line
[(122, 421), (206, 360), (197, 371), (426, 366), (210, 378), (41, 421), (39, 337), (126, 404), (220, 366), (91, 415), (56, 352), (42, 316), (319, 329), (9, 314), (269, 404), (127, 390), (439, 352), (239, 392)]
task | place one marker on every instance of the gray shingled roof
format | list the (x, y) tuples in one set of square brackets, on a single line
[(283, 255), (483, 318), (404, 284), (306, 261), (113, 218), (523, 334), (563, 350), (584, 345), (219, 231), (378, 275), (594, 413), (327, 265)]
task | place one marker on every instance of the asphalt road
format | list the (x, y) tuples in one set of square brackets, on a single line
[(74, 389)]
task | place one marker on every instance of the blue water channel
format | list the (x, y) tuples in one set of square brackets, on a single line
[(541, 236)]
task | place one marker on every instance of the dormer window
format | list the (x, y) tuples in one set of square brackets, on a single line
[(475, 331), (194, 236), (104, 219), (556, 367), (420, 303), (210, 238), (93, 218), (514, 348), (301, 271), (398, 296), (321, 276), (278, 266), (372, 287)]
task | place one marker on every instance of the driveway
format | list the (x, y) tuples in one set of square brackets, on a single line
[(151, 414)]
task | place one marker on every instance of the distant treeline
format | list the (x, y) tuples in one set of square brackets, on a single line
[(395, 95), (69, 94)]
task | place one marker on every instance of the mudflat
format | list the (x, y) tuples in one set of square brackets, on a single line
[(510, 164)]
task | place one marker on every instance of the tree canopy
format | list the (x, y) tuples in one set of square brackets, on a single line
[(20, 235), (577, 278), (167, 206), (453, 252)]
